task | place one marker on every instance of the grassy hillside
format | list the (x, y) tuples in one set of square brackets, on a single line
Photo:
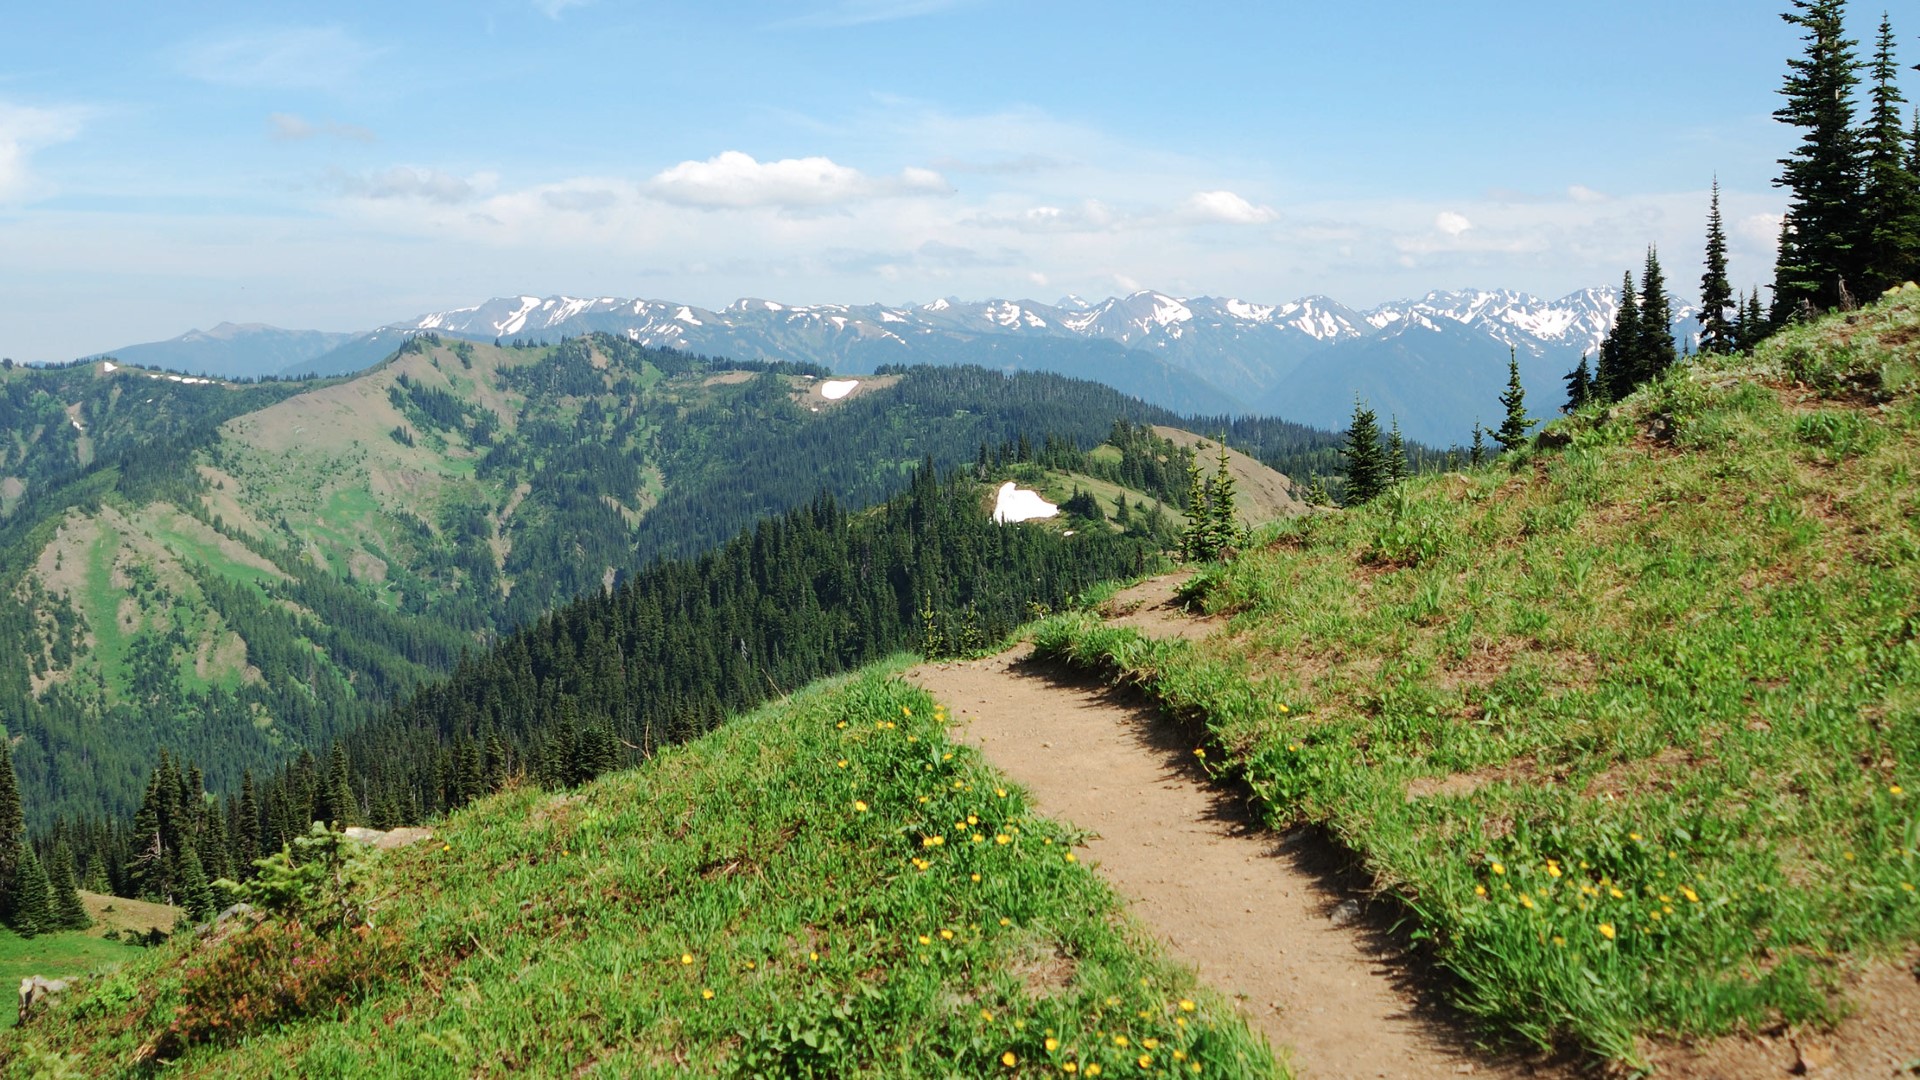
[(1625, 724), (827, 887)]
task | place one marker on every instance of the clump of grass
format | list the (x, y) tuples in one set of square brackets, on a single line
[(827, 887), (1626, 727)]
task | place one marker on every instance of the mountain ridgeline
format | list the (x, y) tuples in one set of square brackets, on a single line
[(283, 562)]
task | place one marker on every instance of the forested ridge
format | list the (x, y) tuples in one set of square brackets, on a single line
[(131, 579)]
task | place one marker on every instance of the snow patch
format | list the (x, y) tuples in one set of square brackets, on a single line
[(685, 315), (835, 389), (108, 365), (1017, 504)]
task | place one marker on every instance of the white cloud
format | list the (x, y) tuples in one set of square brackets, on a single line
[(1225, 208), (1451, 223), (289, 58), (734, 180), (1581, 193), (23, 130), (288, 127)]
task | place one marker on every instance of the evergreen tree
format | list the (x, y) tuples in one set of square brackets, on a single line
[(1396, 458), (1653, 353), (1753, 322), (1477, 453), (1823, 231), (1719, 308), (196, 894), (1366, 464), (68, 912), (1513, 429), (1614, 374), (1890, 200), (1579, 386), (1223, 520), (33, 907), (13, 833)]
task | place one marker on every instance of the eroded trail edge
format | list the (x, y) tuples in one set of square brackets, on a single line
[(1257, 913)]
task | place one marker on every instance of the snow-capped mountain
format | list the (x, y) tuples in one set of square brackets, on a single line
[(1435, 363)]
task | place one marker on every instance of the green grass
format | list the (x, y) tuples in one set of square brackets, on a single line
[(56, 956), (768, 900), (1627, 727)]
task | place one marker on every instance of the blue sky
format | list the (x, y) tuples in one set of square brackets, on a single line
[(343, 165)]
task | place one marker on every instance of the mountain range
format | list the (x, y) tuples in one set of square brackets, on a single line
[(1435, 365)]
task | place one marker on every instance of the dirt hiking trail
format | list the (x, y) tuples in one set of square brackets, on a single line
[(1276, 919), (1262, 916)]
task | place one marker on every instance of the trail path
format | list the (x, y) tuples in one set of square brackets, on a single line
[(1260, 915)]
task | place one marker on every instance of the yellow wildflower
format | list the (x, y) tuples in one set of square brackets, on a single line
[(1498, 869), (984, 1014), (1009, 1060), (859, 807), (1185, 1005), (1606, 930), (1052, 1044), (686, 958), (1145, 1061), (1003, 839), (926, 939), (947, 935)]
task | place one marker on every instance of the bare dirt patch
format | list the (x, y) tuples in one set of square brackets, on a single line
[(1153, 608), (1272, 918), (1881, 1039)]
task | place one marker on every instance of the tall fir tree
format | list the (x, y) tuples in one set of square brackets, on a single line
[(1579, 386), (1819, 259), (1719, 308), (13, 833), (1613, 376), (1513, 429), (1754, 326), (1223, 515), (69, 913), (33, 904), (1477, 453), (1654, 351), (1366, 464), (1890, 195)]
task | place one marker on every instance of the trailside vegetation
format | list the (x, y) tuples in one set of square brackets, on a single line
[(827, 887), (1617, 729)]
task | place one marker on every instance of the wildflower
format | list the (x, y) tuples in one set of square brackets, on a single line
[(686, 958), (1200, 752), (1001, 792), (1560, 941), (1907, 885), (1009, 1060), (841, 764), (813, 956), (979, 839), (1498, 869), (925, 939), (1052, 1044), (924, 800), (1606, 930), (842, 725), (859, 807), (706, 994), (1283, 708), (984, 1014), (1633, 836), (1895, 790), (1151, 1044), (1145, 1061), (1552, 870), (1071, 857), (1070, 1067), (1119, 1040), (1617, 894), (1004, 921), (947, 935), (1185, 1005), (904, 711), (1093, 1069), (1479, 890), (446, 847), (1003, 839), (1526, 901), (975, 877), (973, 819), (1692, 897)]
